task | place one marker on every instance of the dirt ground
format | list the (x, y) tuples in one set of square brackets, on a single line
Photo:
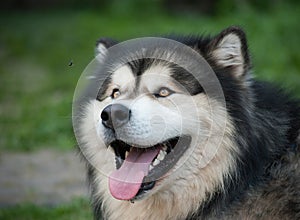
[(45, 177)]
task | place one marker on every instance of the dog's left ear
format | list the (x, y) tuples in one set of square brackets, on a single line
[(229, 50), (102, 46)]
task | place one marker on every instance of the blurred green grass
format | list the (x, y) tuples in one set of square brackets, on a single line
[(37, 83), (78, 209)]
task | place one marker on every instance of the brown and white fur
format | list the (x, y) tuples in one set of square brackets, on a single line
[(248, 168)]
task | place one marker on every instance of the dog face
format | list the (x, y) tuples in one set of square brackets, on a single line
[(151, 113), (149, 131)]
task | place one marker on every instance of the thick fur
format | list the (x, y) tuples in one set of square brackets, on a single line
[(255, 173)]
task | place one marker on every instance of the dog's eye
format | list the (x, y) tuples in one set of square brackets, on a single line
[(163, 92), (115, 93)]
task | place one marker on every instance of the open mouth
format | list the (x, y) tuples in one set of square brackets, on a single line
[(138, 169)]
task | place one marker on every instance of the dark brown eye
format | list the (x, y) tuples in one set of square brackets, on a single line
[(115, 93)]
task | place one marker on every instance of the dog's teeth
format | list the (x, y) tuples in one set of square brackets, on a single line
[(126, 154), (156, 162), (151, 168), (165, 147), (161, 155)]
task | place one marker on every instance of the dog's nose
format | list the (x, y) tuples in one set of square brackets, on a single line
[(115, 115)]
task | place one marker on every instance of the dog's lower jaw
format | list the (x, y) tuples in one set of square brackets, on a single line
[(160, 205), (166, 204)]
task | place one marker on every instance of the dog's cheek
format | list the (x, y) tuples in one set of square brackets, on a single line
[(92, 125), (92, 141)]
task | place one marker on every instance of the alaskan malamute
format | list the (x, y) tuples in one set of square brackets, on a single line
[(163, 138)]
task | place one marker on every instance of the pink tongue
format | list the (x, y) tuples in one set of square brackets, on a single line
[(125, 182)]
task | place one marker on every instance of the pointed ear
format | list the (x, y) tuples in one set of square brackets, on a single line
[(102, 45), (229, 50)]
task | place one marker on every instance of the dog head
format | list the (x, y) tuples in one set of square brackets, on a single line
[(153, 127)]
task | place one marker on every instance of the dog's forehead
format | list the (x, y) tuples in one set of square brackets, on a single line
[(156, 75), (142, 74), (157, 70), (123, 76)]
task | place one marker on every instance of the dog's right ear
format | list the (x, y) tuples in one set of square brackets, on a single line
[(229, 50), (102, 45)]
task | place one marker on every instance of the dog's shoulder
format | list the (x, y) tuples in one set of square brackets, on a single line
[(278, 195)]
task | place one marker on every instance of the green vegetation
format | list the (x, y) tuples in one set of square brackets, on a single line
[(37, 83), (79, 210)]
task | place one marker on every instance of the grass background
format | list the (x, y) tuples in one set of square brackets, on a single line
[(37, 83), (77, 210)]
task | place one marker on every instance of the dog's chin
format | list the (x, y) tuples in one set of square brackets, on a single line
[(163, 157)]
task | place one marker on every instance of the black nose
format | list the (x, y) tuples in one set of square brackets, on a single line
[(115, 115)]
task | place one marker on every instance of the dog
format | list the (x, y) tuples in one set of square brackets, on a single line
[(160, 144)]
